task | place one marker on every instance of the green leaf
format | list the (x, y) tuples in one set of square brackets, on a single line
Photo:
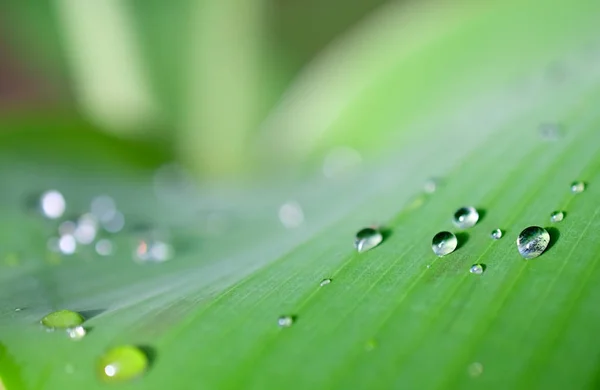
[(396, 316)]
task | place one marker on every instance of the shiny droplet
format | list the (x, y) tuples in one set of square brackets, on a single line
[(532, 242), (367, 238), (477, 269), (557, 216), (76, 333), (53, 204), (475, 369), (62, 319), (291, 215), (67, 244), (325, 282), (122, 364), (465, 217), (496, 234), (104, 247), (155, 251), (444, 243), (430, 186), (577, 187), (285, 321)]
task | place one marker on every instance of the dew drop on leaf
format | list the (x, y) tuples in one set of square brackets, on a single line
[(52, 204), (577, 187), (477, 269), (444, 243), (557, 216), (465, 217), (62, 319), (285, 321), (532, 242), (496, 234), (76, 333), (122, 364), (367, 238), (325, 282)]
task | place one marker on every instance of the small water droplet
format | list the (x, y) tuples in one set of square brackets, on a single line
[(53, 204), (496, 234), (291, 215), (122, 364), (153, 251), (67, 227), (577, 187), (444, 243), (67, 244), (104, 247), (475, 369), (115, 224), (430, 186), (76, 333), (324, 282), (550, 131), (367, 238), (62, 319), (87, 227), (557, 216), (465, 217), (532, 242), (285, 321), (476, 269)]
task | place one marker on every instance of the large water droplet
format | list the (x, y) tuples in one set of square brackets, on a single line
[(496, 234), (465, 217), (577, 187), (444, 243), (367, 238), (557, 216), (62, 319), (76, 333), (53, 204), (532, 242), (477, 269), (122, 364), (285, 321)]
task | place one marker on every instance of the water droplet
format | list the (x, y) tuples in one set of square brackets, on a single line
[(532, 242), (367, 238), (291, 215), (285, 321), (550, 131), (115, 224), (104, 247), (18, 308), (444, 243), (465, 217), (477, 269), (67, 244), (577, 187), (122, 364), (325, 282), (496, 234), (475, 369), (153, 251), (62, 319), (430, 186), (53, 204), (103, 208), (87, 227), (557, 216), (76, 333), (341, 161)]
